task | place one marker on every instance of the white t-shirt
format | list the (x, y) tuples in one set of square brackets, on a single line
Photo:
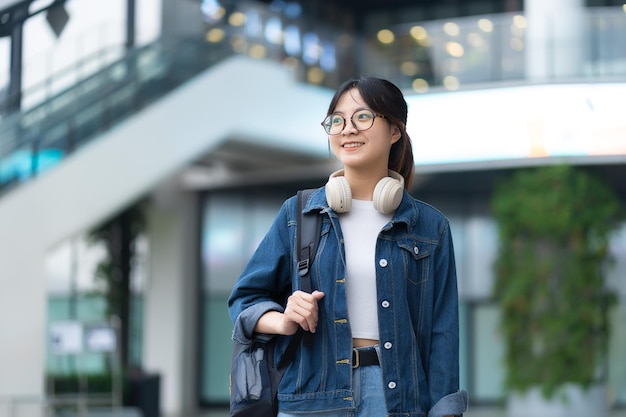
[(360, 227)]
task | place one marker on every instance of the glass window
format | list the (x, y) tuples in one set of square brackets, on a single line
[(234, 222), (77, 295), (487, 353)]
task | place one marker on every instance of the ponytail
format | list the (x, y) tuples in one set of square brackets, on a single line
[(401, 158)]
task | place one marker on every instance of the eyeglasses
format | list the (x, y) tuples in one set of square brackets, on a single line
[(361, 120)]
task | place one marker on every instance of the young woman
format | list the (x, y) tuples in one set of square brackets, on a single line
[(384, 312)]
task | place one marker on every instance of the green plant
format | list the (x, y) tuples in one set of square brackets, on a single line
[(118, 235), (554, 227), (85, 384)]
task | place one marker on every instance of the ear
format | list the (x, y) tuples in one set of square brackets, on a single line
[(396, 134)]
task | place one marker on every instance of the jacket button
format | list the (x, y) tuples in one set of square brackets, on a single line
[(388, 345), (416, 250), (391, 385), (385, 304), (382, 263)]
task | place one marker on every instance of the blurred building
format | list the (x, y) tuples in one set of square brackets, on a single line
[(204, 116)]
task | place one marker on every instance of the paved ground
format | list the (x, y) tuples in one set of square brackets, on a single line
[(473, 412)]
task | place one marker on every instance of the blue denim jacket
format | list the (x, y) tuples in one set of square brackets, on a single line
[(417, 311)]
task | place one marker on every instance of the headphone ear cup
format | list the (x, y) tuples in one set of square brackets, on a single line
[(387, 195), (338, 194)]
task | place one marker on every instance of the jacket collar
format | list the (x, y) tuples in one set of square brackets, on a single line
[(407, 212)]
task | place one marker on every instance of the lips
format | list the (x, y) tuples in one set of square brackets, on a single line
[(352, 144)]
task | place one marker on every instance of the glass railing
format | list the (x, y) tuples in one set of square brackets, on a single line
[(420, 57), (451, 54), (34, 140), (467, 52), (45, 85)]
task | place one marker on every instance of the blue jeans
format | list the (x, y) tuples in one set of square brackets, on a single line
[(369, 396)]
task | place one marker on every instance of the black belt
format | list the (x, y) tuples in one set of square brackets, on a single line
[(364, 357)]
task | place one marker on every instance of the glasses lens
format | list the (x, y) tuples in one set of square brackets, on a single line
[(333, 124), (363, 119)]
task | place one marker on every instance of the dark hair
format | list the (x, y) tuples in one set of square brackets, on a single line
[(384, 97)]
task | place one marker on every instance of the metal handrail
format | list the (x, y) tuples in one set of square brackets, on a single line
[(73, 70), (8, 405), (71, 118)]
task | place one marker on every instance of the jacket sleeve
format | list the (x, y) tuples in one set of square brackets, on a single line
[(443, 369), (451, 405), (266, 279)]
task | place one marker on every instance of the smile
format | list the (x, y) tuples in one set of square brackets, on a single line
[(352, 144)]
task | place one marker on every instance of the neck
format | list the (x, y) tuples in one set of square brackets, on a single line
[(362, 183)]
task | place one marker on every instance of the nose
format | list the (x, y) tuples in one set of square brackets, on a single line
[(348, 127)]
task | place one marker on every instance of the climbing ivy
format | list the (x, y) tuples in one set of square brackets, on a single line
[(554, 227)]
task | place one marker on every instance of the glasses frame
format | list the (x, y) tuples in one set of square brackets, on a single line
[(345, 121)]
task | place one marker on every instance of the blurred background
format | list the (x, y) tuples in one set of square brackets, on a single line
[(146, 146)]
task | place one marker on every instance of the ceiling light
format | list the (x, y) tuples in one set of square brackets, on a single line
[(451, 29), (420, 85), (385, 36), (485, 25)]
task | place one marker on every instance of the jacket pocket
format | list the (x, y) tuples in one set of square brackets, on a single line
[(417, 258)]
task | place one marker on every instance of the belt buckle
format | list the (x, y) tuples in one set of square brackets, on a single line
[(355, 353)]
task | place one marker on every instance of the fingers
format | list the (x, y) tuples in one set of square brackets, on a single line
[(302, 309), (317, 295)]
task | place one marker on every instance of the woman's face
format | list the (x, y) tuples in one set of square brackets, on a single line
[(362, 149)]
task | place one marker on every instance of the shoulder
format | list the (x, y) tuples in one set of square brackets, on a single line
[(425, 219), (314, 199), (429, 210), (420, 209)]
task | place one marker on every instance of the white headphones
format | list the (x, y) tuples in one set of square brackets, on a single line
[(387, 193)]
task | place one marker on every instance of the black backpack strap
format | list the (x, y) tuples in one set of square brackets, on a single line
[(308, 236), (308, 231)]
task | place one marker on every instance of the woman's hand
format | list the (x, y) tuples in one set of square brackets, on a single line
[(301, 311)]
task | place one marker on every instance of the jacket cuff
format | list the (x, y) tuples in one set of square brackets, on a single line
[(451, 405), (243, 331)]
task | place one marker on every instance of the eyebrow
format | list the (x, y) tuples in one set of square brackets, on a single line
[(358, 109)]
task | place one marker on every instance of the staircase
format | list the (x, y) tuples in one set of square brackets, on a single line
[(34, 140), (115, 143)]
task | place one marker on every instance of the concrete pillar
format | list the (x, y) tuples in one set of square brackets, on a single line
[(22, 327), (171, 298)]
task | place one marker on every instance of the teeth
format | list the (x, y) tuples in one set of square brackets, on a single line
[(352, 145)]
